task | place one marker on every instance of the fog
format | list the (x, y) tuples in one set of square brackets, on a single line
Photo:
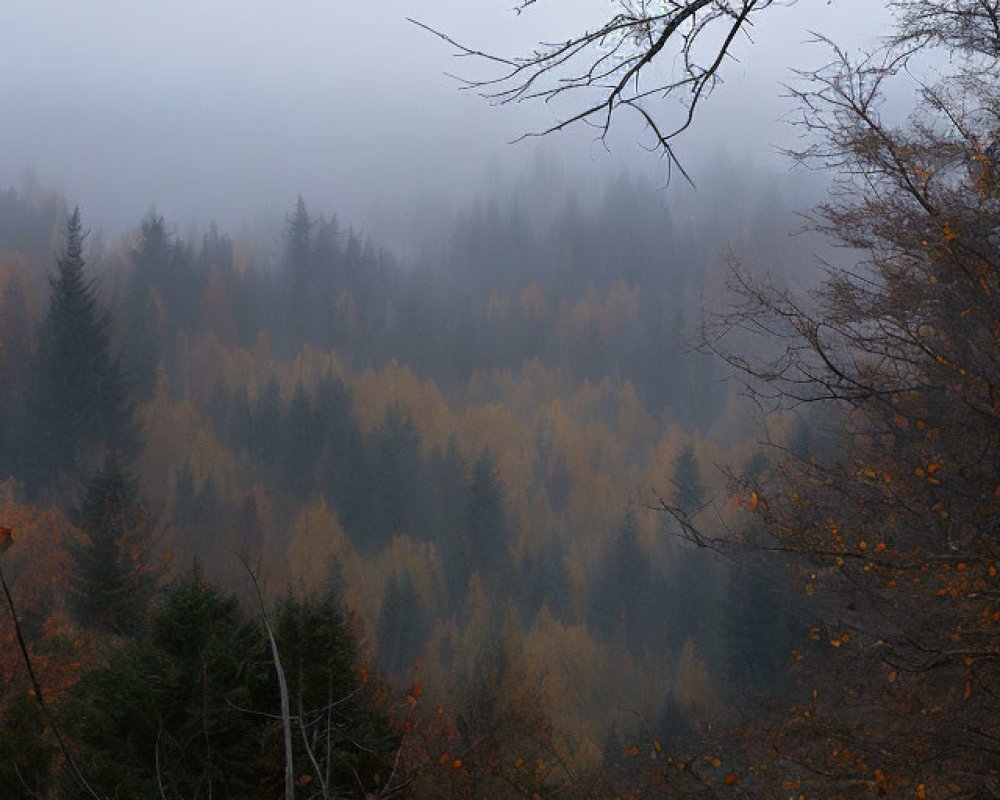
[(501, 465), (223, 110)]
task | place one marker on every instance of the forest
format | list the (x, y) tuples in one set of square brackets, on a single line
[(597, 493), (451, 465)]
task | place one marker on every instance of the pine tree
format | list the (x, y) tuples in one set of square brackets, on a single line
[(81, 405)]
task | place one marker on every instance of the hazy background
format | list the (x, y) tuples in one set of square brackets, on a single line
[(226, 110)]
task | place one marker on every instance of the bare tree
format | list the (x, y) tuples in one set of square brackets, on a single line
[(892, 533)]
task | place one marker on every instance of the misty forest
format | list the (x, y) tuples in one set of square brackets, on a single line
[(584, 486)]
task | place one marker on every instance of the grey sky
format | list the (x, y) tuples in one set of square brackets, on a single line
[(220, 108)]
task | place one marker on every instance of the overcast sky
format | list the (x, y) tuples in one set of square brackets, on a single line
[(218, 109)]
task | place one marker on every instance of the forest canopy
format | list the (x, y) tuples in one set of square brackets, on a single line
[(320, 521)]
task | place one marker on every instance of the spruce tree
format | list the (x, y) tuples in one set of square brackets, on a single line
[(689, 492), (486, 515), (112, 579), (403, 626), (81, 405), (301, 444)]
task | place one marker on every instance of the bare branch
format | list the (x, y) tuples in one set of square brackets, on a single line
[(611, 67)]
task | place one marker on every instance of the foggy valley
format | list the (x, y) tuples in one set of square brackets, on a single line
[(354, 445)]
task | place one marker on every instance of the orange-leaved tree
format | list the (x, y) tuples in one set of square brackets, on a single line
[(891, 529)]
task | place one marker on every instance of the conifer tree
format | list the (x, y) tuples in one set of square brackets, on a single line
[(395, 455), (486, 519), (81, 405), (403, 626), (689, 492), (301, 443), (299, 241), (113, 580)]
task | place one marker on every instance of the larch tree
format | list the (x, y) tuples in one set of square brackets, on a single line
[(892, 528)]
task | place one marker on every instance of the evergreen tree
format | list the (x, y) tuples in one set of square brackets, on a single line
[(298, 242), (113, 580), (395, 458), (403, 626), (169, 707), (144, 314), (341, 722), (265, 424), (486, 525), (689, 492), (188, 709), (620, 603), (15, 336), (81, 404), (301, 443)]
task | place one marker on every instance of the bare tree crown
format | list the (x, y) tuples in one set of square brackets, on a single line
[(660, 59)]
